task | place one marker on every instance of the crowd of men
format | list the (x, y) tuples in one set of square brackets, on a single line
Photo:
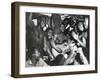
[(56, 39)]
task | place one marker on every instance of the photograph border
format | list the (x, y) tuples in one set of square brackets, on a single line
[(15, 32)]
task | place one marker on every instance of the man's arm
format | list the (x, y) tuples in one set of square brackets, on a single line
[(70, 58), (81, 42), (82, 56)]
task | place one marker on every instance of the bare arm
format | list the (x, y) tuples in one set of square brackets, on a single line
[(30, 19), (82, 56), (70, 58), (47, 49), (81, 42)]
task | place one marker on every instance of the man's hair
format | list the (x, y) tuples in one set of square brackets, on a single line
[(49, 29)]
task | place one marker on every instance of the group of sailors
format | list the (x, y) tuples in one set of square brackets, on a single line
[(53, 41)]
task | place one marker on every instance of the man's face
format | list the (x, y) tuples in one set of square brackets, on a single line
[(80, 26), (35, 22), (35, 56), (62, 28), (49, 34)]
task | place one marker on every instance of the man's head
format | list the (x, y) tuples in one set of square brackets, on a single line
[(35, 56), (35, 22), (62, 28), (80, 26), (49, 33)]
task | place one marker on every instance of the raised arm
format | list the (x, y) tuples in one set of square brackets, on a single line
[(30, 22), (81, 42)]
